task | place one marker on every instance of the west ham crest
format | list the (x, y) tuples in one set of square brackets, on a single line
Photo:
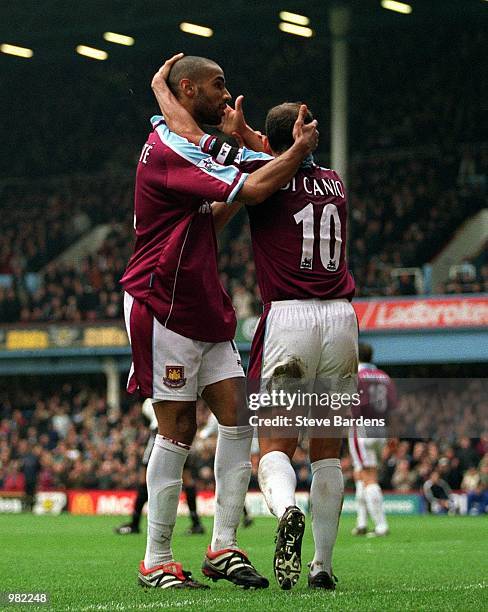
[(175, 376)]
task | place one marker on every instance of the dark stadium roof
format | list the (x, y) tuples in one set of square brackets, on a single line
[(55, 26)]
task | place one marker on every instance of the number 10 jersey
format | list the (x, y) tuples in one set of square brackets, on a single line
[(299, 237)]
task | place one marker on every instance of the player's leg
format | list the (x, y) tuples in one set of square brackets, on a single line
[(176, 428), (191, 499), (284, 358), (161, 358), (361, 527), (336, 376), (326, 497), (356, 455), (247, 519), (141, 499), (222, 386), (277, 480), (232, 459), (374, 496)]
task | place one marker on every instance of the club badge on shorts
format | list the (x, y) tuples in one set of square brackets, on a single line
[(175, 376)]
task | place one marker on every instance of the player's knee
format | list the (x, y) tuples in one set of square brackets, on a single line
[(369, 476), (284, 446), (325, 448), (183, 426), (186, 426)]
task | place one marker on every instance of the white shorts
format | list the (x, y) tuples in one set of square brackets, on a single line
[(168, 366), (364, 451), (307, 339)]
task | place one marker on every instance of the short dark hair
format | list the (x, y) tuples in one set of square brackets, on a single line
[(279, 125), (188, 67), (365, 352)]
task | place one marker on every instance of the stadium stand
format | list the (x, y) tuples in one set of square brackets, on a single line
[(77, 443), (400, 215)]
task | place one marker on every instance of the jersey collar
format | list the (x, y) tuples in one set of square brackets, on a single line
[(308, 162)]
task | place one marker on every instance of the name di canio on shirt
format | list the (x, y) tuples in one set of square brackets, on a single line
[(316, 186)]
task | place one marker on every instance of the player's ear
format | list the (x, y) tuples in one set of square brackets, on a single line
[(187, 87), (266, 147)]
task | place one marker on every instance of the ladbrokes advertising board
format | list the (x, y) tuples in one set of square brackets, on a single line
[(411, 314)]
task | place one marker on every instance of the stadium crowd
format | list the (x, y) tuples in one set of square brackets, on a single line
[(71, 438), (38, 288)]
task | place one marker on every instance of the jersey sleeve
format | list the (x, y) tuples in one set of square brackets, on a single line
[(243, 158), (250, 161), (191, 171)]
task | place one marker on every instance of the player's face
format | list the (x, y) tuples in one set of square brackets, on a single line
[(211, 97)]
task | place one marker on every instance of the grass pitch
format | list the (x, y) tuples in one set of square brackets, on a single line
[(428, 563)]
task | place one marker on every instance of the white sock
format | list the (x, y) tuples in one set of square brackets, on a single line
[(362, 511), (278, 481), (326, 495), (163, 479), (232, 474), (374, 502)]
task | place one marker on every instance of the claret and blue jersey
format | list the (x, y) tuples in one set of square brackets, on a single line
[(174, 266), (299, 236)]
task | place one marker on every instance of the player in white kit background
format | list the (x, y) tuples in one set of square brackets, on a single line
[(308, 331), (378, 398)]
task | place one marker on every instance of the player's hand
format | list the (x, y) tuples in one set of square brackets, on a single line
[(159, 80), (234, 120), (305, 135), (234, 124)]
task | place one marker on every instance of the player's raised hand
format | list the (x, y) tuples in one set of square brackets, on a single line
[(305, 134), (234, 120), (234, 124), (161, 76)]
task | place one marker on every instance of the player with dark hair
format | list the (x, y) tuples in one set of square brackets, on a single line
[(378, 398), (308, 331), (181, 322)]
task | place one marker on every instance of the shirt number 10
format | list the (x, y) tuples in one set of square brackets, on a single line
[(306, 217)]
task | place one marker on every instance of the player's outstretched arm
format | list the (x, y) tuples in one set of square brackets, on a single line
[(177, 117), (271, 177)]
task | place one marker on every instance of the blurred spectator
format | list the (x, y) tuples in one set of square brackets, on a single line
[(403, 479), (438, 494), (30, 468), (478, 501), (471, 480), (467, 455), (13, 478)]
